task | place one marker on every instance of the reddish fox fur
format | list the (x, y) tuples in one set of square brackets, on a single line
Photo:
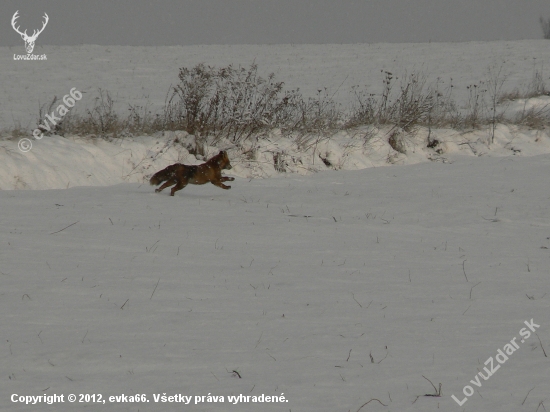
[(180, 175)]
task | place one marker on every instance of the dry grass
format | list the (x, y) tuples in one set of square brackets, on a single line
[(236, 104)]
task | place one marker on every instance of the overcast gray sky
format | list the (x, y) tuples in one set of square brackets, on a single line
[(182, 22)]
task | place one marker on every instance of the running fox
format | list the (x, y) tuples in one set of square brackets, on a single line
[(180, 174)]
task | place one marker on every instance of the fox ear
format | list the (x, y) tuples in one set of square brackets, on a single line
[(222, 152)]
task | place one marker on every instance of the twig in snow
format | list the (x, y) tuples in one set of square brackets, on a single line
[(356, 300), (259, 339), (437, 391), (542, 347), (473, 288), (150, 249), (122, 307), (154, 289), (349, 354), (528, 394), (366, 403), (380, 361), (53, 233), (464, 270)]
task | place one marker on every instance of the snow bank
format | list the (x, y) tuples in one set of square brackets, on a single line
[(56, 162)]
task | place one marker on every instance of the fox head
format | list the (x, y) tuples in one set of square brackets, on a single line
[(222, 160)]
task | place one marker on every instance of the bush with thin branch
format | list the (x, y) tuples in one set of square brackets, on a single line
[(229, 102), (238, 105), (410, 106), (545, 26)]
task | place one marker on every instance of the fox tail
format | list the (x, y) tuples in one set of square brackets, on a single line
[(160, 177)]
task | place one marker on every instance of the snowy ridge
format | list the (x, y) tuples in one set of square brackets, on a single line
[(56, 162)]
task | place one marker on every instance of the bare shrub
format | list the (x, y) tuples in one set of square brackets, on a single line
[(545, 26), (44, 110), (414, 104), (188, 107), (495, 82), (316, 114), (535, 88), (410, 106), (444, 111), (534, 118), (101, 120), (238, 105), (16, 132), (476, 106), (142, 120), (232, 103)]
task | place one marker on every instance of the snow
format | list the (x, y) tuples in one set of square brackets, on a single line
[(291, 282), (58, 163), (283, 285)]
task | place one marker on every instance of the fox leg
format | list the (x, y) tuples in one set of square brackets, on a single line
[(220, 184), (169, 182), (180, 185), (227, 179)]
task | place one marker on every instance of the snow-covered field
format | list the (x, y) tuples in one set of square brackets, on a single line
[(329, 288), (291, 282)]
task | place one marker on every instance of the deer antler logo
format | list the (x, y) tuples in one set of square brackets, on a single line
[(29, 40)]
